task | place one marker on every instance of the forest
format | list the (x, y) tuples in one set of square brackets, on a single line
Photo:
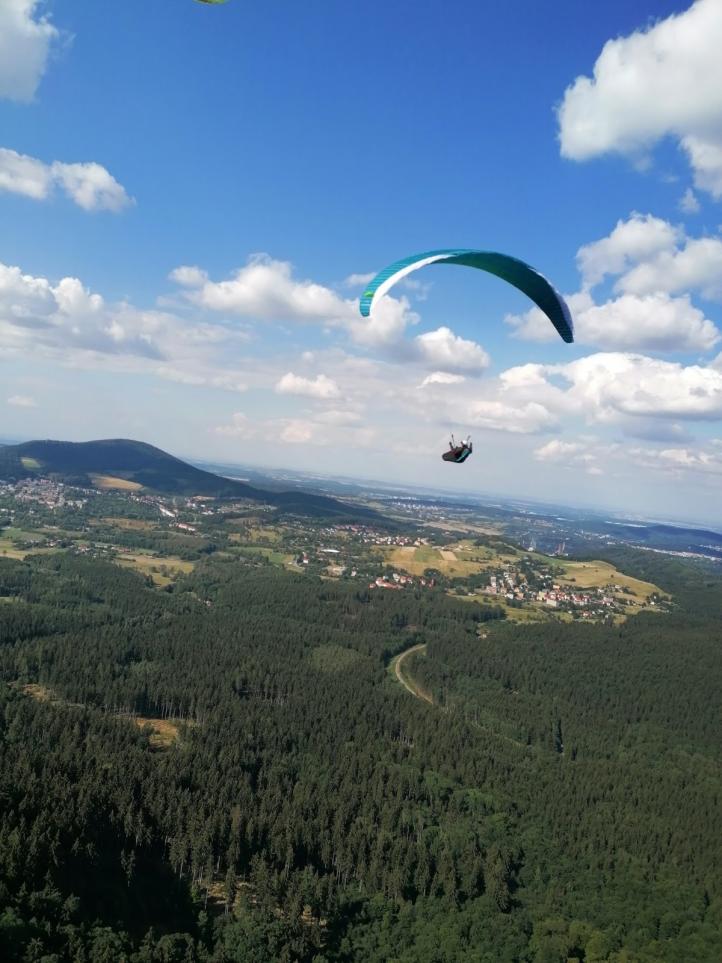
[(560, 800)]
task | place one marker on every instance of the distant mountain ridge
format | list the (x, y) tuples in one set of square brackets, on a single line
[(152, 468)]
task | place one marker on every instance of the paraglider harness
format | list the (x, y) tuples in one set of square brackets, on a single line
[(458, 453)]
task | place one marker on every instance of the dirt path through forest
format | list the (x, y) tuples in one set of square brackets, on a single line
[(406, 681), (413, 687)]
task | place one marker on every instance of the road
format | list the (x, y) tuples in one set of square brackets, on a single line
[(407, 682)]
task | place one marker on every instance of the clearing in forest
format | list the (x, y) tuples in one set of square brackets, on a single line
[(8, 549), (457, 559), (161, 568), (110, 481), (241, 547), (336, 658), (165, 732), (527, 612), (40, 693), (597, 574), (43, 693), (264, 533), (415, 561), (128, 524)]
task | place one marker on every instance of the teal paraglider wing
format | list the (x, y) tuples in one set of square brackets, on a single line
[(521, 275)]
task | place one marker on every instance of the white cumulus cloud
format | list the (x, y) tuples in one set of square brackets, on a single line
[(386, 326), (265, 289), (644, 397), (517, 419), (442, 378), (296, 431), (650, 322), (584, 455), (688, 202), (20, 174), (655, 322), (637, 239), (26, 39), (358, 280), (589, 453), (189, 276), (22, 401), (338, 418), (662, 81), (608, 386), (321, 387), (67, 323), (648, 255), (444, 349), (91, 186), (680, 462), (240, 426), (694, 266), (556, 450), (705, 156), (88, 185), (651, 261)]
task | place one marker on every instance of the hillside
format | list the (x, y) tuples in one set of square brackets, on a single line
[(150, 468)]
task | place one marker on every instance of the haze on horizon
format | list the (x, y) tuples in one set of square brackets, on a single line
[(147, 158)]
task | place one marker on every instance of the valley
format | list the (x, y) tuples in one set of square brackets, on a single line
[(335, 738)]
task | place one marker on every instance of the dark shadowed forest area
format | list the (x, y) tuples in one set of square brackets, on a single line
[(225, 770)]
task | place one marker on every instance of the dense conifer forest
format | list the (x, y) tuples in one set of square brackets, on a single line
[(561, 800)]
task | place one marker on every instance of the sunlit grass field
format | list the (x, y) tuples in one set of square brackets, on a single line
[(110, 481), (154, 565)]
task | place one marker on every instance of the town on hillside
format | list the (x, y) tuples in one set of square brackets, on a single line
[(165, 536)]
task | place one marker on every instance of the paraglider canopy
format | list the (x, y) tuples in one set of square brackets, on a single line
[(510, 269)]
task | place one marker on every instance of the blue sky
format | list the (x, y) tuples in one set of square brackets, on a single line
[(272, 154)]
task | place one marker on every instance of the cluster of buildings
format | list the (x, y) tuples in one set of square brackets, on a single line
[(199, 505), (558, 597), (513, 586), (397, 582), (371, 536), (43, 491), (324, 556)]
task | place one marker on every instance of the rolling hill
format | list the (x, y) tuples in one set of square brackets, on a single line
[(154, 470)]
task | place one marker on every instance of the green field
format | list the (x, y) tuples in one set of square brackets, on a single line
[(249, 551), (598, 574), (110, 482), (335, 658), (125, 524), (161, 568), (457, 559), (452, 560), (10, 539), (9, 549), (527, 613)]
